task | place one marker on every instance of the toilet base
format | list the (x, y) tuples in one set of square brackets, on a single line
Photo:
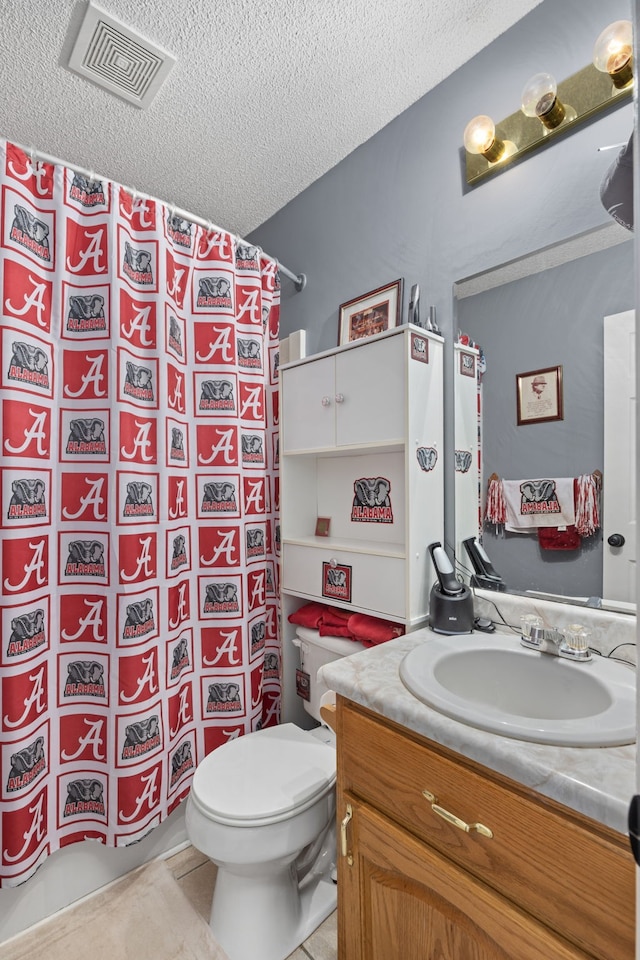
[(275, 917)]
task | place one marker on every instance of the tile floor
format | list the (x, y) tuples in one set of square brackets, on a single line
[(196, 876)]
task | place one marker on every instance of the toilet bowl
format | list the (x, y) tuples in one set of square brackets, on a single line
[(262, 808)]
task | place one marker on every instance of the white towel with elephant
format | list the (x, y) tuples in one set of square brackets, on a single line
[(546, 502)]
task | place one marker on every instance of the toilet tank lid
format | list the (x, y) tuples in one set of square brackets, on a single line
[(264, 776), (339, 645)]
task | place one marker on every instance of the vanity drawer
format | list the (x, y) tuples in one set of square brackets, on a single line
[(372, 582), (549, 859)]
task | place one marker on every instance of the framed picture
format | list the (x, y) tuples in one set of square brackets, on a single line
[(539, 395), (370, 314), (322, 526)]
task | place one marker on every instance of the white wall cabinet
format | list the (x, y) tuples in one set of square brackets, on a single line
[(362, 445), (351, 397)]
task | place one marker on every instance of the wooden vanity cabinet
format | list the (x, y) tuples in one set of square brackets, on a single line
[(549, 884)]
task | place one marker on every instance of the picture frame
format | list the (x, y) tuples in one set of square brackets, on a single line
[(539, 396), (323, 525), (467, 364), (370, 313)]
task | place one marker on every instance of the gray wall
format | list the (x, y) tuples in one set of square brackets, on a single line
[(554, 317), (398, 207)]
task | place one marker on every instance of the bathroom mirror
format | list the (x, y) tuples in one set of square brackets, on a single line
[(543, 311)]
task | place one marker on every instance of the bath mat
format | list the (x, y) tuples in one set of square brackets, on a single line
[(143, 916)]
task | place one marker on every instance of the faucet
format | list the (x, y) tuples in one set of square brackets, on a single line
[(571, 643)]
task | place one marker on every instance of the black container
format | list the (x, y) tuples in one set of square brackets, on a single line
[(449, 613)]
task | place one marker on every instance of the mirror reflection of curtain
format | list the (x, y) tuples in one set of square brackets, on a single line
[(139, 405)]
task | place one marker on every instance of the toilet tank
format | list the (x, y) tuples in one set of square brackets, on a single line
[(315, 651)]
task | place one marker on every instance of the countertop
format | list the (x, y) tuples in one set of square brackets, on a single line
[(599, 782)]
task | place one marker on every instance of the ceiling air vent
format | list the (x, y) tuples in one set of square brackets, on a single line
[(118, 59)]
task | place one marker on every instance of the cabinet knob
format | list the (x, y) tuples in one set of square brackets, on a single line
[(333, 562), (326, 401), (339, 397)]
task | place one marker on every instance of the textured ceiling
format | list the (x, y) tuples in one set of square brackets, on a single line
[(265, 96)]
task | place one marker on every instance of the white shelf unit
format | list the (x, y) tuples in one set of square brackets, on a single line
[(366, 415)]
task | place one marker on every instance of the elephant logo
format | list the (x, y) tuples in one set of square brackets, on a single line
[(27, 633), (249, 354), (137, 265), (371, 501), (26, 765), (216, 395), (214, 292), (27, 499), (86, 436), (463, 461), (219, 496), (179, 231), (85, 313), (85, 796), (138, 502), (177, 444), (538, 497), (221, 598), (89, 193), (85, 559), (224, 698), (141, 737), (247, 257), (336, 581), (180, 657), (29, 364), (427, 458), (85, 678), (181, 761), (140, 619), (138, 382), (179, 552), (31, 233)]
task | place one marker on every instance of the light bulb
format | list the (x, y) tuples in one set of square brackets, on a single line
[(480, 137), (613, 52), (540, 99)]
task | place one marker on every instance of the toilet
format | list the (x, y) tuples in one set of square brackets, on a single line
[(262, 808)]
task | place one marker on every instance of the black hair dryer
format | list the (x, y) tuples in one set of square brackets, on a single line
[(450, 602)]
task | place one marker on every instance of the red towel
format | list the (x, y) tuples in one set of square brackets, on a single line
[(334, 630), (373, 630), (309, 615), (335, 623), (551, 538), (333, 616)]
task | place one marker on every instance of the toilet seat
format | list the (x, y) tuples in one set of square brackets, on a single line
[(264, 777)]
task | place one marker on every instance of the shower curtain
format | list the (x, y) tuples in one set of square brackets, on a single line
[(140, 539)]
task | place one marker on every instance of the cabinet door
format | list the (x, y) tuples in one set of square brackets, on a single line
[(308, 406), (402, 899), (371, 393)]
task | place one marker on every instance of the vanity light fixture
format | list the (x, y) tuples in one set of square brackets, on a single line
[(480, 138), (549, 109), (540, 99), (613, 52)]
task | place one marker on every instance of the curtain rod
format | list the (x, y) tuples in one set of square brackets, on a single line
[(299, 280)]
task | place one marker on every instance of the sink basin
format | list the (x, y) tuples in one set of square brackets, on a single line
[(497, 685)]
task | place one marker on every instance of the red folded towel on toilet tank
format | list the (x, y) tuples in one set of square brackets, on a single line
[(335, 623), (308, 615), (373, 630)]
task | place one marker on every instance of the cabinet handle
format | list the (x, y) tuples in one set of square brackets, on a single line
[(343, 835), (339, 397), (326, 401), (453, 820)]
